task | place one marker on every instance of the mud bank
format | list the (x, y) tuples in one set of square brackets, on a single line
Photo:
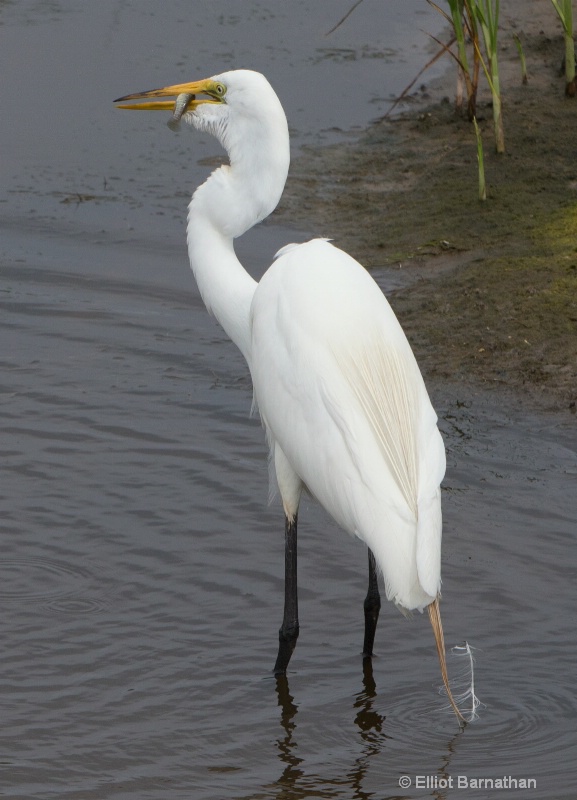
[(489, 294)]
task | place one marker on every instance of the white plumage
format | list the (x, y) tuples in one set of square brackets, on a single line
[(338, 389), (340, 393)]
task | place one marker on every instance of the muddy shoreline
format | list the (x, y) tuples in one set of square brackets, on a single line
[(489, 295)]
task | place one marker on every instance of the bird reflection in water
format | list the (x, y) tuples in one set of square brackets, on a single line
[(294, 783)]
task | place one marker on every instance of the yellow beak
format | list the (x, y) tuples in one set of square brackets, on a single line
[(212, 91)]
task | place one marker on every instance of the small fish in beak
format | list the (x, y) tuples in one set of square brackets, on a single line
[(180, 106)]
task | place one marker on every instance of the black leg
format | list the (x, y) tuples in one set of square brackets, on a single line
[(372, 607), (289, 631)]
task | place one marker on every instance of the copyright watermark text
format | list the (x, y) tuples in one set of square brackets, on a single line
[(465, 782)]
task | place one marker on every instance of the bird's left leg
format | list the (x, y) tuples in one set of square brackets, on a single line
[(372, 606), (289, 631), (290, 487)]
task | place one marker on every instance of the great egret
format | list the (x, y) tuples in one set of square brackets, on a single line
[(343, 403)]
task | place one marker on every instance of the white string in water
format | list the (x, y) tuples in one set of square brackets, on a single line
[(463, 685)]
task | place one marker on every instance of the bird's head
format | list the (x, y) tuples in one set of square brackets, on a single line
[(242, 100), (242, 110), (198, 94)]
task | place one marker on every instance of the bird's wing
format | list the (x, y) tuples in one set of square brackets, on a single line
[(377, 376), (391, 392), (389, 388), (339, 390)]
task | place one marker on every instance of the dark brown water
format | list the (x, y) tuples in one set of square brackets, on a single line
[(141, 572)]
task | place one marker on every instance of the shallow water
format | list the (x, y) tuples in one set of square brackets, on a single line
[(141, 574)]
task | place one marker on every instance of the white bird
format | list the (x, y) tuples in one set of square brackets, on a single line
[(343, 403)]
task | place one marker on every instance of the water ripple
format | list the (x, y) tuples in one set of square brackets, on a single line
[(49, 583)]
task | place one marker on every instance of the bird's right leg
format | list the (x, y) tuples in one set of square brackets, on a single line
[(372, 606), (289, 630)]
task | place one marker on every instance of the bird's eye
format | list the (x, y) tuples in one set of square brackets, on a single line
[(220, 89)]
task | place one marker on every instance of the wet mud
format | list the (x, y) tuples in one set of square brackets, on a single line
[(487, 290)]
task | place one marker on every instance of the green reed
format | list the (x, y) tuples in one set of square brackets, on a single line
[(480, 162), (564, 9), (487, 15)]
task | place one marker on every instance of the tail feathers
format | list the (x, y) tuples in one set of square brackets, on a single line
[(469, 694)]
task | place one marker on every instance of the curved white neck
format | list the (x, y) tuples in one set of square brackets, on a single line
[(232, 200), (225, 286)]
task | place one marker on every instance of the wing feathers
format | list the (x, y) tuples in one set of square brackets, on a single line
[(379, 380), (388, 385)]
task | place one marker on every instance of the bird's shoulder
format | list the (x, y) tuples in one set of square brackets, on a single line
[(303, 246), (316, 291), (320, 277)]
